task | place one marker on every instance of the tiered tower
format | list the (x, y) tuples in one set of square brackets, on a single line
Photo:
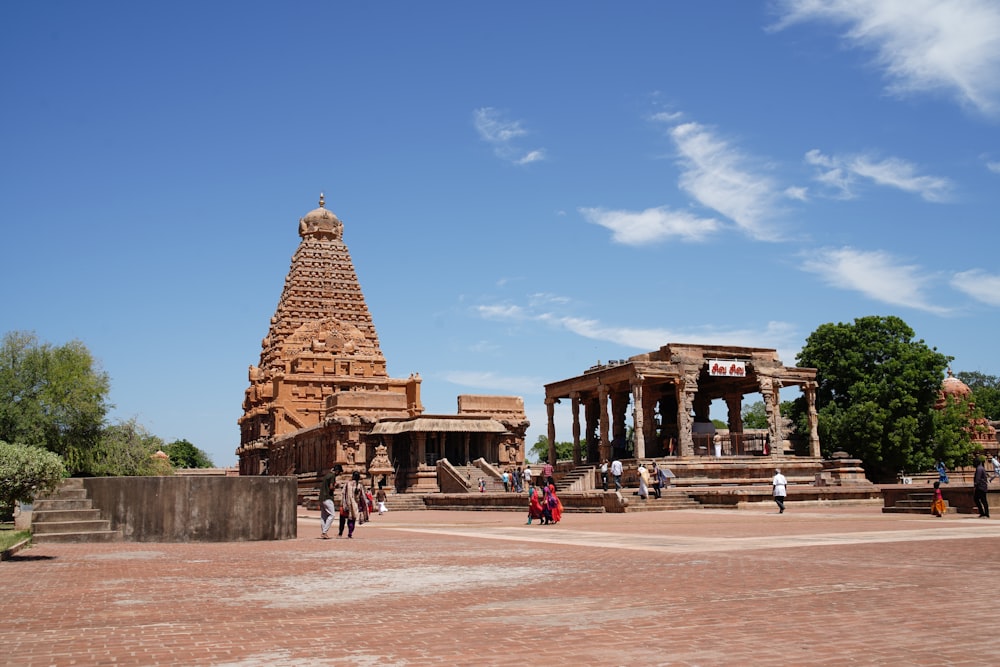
[(321, 360)]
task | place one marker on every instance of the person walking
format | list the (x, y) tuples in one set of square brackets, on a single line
[(996, 467), (353, 505), (980, 485), (527, 476), (942, 472), (547, 471), (778, 485), (616, 474), (327, 510), (937, 505), (657, 475), (643, 482), (505, 478), (380, 498), (604, 474), (534, 505)]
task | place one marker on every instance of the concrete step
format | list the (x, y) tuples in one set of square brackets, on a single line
[(77, 537), (71, 514), (69, 526), (49, 504)]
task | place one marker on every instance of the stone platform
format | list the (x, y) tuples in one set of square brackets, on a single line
[(833, 586)]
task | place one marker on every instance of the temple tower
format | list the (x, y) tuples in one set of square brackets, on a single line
[(321, 344)]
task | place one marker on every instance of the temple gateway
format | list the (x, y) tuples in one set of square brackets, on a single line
[(321, 399)]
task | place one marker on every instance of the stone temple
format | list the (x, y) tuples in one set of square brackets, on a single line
[(321, 397)]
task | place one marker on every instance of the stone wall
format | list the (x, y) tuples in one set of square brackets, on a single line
[(197, 509)]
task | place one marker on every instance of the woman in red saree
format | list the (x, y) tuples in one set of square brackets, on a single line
[(554, 504), (534, 506)]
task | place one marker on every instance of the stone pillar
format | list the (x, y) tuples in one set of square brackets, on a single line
[(576, 428), (687, 389), (550, 409), (638, 423), (592, 416), (769, 392), (619, 404), (602, 394), (465, 447), (810, 391), (649, 421), (734, 406)]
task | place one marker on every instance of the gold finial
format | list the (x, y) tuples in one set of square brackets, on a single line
[(321, 200)]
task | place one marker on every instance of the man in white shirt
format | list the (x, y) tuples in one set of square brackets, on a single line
[(616, 474), (779, 484)]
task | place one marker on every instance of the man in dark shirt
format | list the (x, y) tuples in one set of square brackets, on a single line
[(980, 484)]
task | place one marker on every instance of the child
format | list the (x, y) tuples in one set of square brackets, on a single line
[(937, 506)]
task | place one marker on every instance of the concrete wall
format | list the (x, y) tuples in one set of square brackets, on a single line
[(197, 509)]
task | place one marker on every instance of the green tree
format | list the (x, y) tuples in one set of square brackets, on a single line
[(564, 450), (952, 437), (985, 391), (26, 471), (51, 396), (876, 392), (183, 454), (124, 449), (754, 415)]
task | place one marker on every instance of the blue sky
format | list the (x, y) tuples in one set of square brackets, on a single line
[(527, 188)]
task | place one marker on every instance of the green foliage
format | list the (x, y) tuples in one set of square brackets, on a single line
[(51, 396), (124, 449), (564, 450), (754, 415), (26, 471), (876, 392), (952, 438), (985, 391), (183, 454)]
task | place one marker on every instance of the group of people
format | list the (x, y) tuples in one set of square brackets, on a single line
[(544, 505), (356, 504), (515, 479)]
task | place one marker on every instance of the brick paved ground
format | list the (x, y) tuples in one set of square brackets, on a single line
[(816, 586)]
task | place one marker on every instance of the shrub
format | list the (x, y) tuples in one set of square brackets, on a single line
[(26, 471)]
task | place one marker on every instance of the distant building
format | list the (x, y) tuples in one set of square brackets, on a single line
[(321, 398)]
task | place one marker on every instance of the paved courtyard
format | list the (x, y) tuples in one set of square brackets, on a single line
[(815, 586)]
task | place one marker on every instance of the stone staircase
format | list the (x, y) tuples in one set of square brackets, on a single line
[(916, 502), (578, 479), (403, 502), (68, 515), (471, 475), (671, 499)]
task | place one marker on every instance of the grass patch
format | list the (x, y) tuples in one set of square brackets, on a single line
[(9, 537)]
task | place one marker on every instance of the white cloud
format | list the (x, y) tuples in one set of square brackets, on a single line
[(797, 193), (717, 175), (922, 46), (979, 285), (777, 335), (876, 274), (495, 129), (490, 381), (501, 312), (666, 116), (840, 173), (652, 225), (994, 167)]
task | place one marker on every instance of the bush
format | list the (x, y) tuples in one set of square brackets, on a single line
[(26, 471)]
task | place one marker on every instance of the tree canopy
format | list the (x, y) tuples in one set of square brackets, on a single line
[(564, 450), (55, 397), (877, 387), (985, 391), (183, 454)]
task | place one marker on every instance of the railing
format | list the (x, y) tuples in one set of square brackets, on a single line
[(732, 444)]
